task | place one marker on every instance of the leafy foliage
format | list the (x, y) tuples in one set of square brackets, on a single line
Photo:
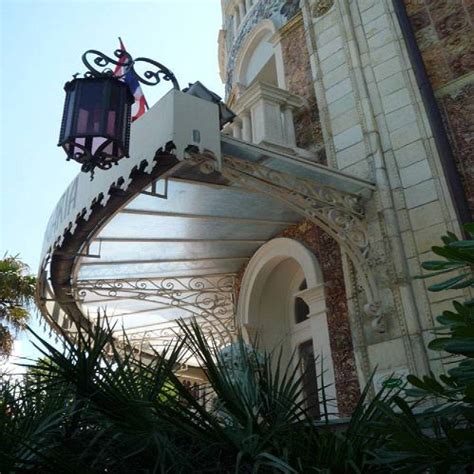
[(96, 407), (16, 294), (458, 256), (440, 438)]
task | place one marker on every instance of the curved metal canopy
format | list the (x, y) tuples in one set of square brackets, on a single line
[(163, 235), (161, 258)]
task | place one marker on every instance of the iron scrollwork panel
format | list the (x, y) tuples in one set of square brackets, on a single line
[(209, 301)]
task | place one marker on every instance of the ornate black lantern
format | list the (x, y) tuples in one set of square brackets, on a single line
[(95, 129)]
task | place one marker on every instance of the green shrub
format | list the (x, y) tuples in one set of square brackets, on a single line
[(440, 439)]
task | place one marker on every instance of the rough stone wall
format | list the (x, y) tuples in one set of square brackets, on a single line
[(329, 256), (298, 76), (299, 81), (445, 33)]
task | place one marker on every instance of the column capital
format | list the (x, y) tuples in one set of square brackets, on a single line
[(267, 92)]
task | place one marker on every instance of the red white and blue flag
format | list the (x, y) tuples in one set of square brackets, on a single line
[(140, 104)]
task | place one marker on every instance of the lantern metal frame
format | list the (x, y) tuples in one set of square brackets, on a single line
[(111, 150), (99, 67)]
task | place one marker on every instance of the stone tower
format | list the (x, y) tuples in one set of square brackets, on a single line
[(378, 90)]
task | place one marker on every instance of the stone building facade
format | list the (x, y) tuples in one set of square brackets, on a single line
[(335, 82), (444, 33), (303, 222)]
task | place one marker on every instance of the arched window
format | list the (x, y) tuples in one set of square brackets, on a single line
[(260, 64), (260, 59), (310, 377), (263, 106)]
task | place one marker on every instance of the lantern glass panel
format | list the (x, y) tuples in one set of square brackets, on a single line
[(96, 119), (90, 108), (69, 111)]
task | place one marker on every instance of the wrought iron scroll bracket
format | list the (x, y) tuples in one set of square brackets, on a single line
[(99, 64)]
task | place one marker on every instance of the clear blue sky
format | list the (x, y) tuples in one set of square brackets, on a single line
[(41, 47)]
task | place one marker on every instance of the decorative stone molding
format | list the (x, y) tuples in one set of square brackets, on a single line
[(271, 112), (387, 201), (321, 7), (263, 10), (221, 41), (315, 299), (290, 8), (325, 195), (238, 90), (261, 90)]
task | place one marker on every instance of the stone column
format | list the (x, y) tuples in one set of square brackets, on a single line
[(246, 126), (315, 299), (267, 123), (289, 126), (237, 129)]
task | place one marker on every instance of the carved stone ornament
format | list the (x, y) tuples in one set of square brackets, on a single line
[(374, 311), (321, 7), (238, 357), (290, 8)]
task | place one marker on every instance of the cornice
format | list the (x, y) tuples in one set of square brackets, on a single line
[(261, 90)]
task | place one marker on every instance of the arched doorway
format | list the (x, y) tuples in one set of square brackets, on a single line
[(281, 304)]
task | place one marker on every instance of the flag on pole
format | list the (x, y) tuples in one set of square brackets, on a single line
[(140, 104)]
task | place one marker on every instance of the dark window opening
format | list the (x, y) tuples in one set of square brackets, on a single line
[(301, 308), (310, 382)]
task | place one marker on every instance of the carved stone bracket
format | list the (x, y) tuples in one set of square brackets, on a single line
[(324, 195), (374, 311), (339, 213)]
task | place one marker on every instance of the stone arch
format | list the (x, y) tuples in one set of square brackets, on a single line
[(268, 256), (259, 42), (266, 302)]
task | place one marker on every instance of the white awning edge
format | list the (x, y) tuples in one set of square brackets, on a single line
[(177, 117)]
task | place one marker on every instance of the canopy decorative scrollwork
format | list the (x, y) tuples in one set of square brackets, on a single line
[(339, 213)]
